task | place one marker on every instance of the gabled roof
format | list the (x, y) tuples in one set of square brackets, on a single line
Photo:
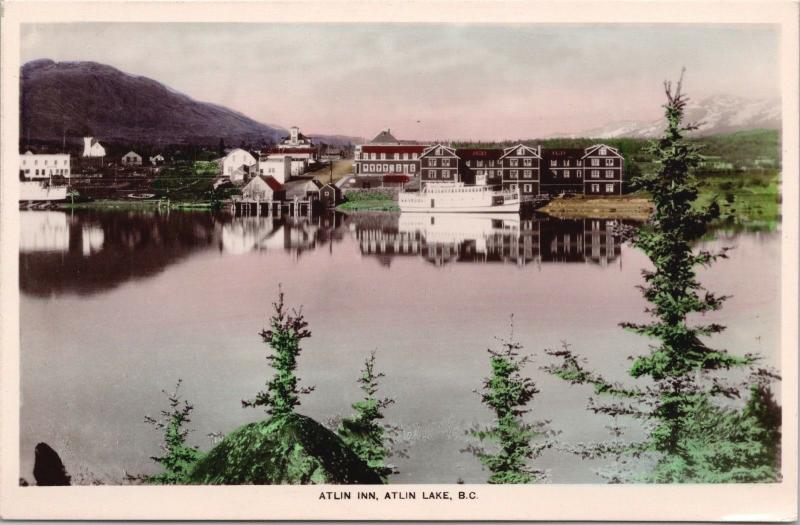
[(595, 147), (449, 150), (534, 152), (384, 137), (131, 151), (271, 182)]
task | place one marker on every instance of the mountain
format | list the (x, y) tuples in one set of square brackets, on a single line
[(74, 99), (718, 114)]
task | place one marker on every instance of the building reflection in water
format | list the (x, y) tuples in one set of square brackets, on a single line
[(94, 251), (447, 238)]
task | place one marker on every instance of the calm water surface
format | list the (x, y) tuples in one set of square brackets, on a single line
[(117, 306)]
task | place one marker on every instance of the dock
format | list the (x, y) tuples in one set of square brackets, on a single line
[(294, 207)]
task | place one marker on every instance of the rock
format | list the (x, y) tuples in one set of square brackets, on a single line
[(292, 450), (48, 468)]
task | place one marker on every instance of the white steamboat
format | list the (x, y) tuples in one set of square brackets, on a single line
[(41, 190), (459, 198)]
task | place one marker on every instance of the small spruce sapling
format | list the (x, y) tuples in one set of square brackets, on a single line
[(363, 432), (286, 331), (178, 457), (507, 392)]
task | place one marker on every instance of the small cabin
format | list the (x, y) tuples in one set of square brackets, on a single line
[(131, 159), (330, 195), (262, 188)]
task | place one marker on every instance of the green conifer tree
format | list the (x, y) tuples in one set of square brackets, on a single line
[(286, 331), (178, 457), (363, 432), (507, 392), (684, 372)]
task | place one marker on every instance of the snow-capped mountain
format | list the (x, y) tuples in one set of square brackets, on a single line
[(718, 114)]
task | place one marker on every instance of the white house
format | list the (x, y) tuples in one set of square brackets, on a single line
[(278, 167), (157, 160), (264, 189), (93, 148), (237, 164), (132, 159), (43, 166)]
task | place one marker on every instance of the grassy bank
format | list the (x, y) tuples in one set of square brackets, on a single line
[(749, 200), (617, 207), (369, 200), (129, 204)]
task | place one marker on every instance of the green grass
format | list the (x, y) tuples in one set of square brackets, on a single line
[(369, 205), (747, 200), (186, 182)]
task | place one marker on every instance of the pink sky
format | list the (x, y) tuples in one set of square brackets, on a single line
[(429, 81)]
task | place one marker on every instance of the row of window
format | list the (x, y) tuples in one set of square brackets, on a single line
[(49, 171), (65, 162), (431, 174), (527, 174), (393, 156), (432, 162), (578, 162), (595, 188), (387, 168), (595, 174), (526, 188), (525, 162)]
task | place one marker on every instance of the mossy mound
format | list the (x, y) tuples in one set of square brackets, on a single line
[(294, 449)]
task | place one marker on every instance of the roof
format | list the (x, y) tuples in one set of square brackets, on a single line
[(392, 148), (384, 137), (570, 153), (531, 150), (271, 182), (396, 178), (269, 151), (433, 147), (131, 151), (593, 148), (479, 153)]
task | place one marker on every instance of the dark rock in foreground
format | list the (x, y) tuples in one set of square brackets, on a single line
[(295, 450), (48, 469)]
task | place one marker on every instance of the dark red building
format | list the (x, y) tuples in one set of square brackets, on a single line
[(521, 167), (439, 163), (480, 166), (385, 155)]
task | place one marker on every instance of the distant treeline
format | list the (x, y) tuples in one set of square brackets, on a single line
[(740, 148)]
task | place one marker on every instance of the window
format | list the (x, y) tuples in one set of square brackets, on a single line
[(514, 173), (595, 162), (553, 162), (445, 174), (397, 168), (595, 188), (603, 151), (405, 156), (413, 168), (445, 162), (580, 163), (609, 162), (374, 156), (414, 156), (385, 168), (514, 162), (396, 156), (527, 162), (521, 151), (526, 174), (432, 162), (595, 174), (439, 151), (527, 188), (480, 163), (580, 172), (566, 174), (609, 188), (383, 156), (609, 174), (566, 162)]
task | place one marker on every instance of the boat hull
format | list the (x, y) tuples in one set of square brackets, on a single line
[(38, 191), (459, 200)]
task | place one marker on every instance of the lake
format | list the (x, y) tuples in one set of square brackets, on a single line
[(117, 306)]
